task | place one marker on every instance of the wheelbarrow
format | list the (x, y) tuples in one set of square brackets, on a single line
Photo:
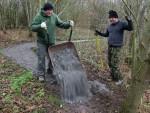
[(69, 72)]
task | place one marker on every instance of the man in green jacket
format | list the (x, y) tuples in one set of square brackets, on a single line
[(44, 24)]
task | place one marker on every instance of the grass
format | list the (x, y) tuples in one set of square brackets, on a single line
[(55, 100), (8, 98), (20, 92), (92, 53), (18, 82)]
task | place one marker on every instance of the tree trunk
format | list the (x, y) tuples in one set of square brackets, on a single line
[(138, 85)]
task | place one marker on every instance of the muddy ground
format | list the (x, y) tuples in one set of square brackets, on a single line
[(21, 103)]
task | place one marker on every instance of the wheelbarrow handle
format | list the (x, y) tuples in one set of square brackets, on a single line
[(70, 34)]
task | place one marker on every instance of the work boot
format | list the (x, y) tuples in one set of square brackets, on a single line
[(53, 82), (50, 73), (41, 78), (50, 78), (120, 82)]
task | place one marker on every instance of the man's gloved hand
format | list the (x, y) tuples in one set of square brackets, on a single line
[(71, 23), (130, 23), (128, 18), (96, 32), (43, 25)]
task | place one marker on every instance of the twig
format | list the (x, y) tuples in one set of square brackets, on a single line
[(36, 107), (63, 9), (126, 5)]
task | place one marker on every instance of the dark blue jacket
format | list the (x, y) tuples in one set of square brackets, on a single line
[(115, 32)]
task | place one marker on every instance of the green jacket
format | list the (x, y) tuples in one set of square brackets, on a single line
[(47, 36)]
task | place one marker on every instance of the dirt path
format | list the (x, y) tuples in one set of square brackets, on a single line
[(23, 55)]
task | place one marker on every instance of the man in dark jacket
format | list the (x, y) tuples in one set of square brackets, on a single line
[(115, 33), (44, 24)]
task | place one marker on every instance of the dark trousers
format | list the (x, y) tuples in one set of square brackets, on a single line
[(42, 54), (114, 54)]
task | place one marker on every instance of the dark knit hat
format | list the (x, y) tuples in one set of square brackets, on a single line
[(48, 6), (113, 14)]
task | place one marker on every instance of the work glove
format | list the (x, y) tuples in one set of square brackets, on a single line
[(130, 23), (43, 25), (71, 23), (96, 32), (128, 18)]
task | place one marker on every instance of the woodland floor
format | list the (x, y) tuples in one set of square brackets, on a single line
[(31, 96)]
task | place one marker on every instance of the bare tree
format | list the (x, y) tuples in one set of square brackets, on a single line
[(141, 65)]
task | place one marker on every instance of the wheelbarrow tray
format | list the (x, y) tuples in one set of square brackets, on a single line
[(63, 56), (69, 72), (60, 47)]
